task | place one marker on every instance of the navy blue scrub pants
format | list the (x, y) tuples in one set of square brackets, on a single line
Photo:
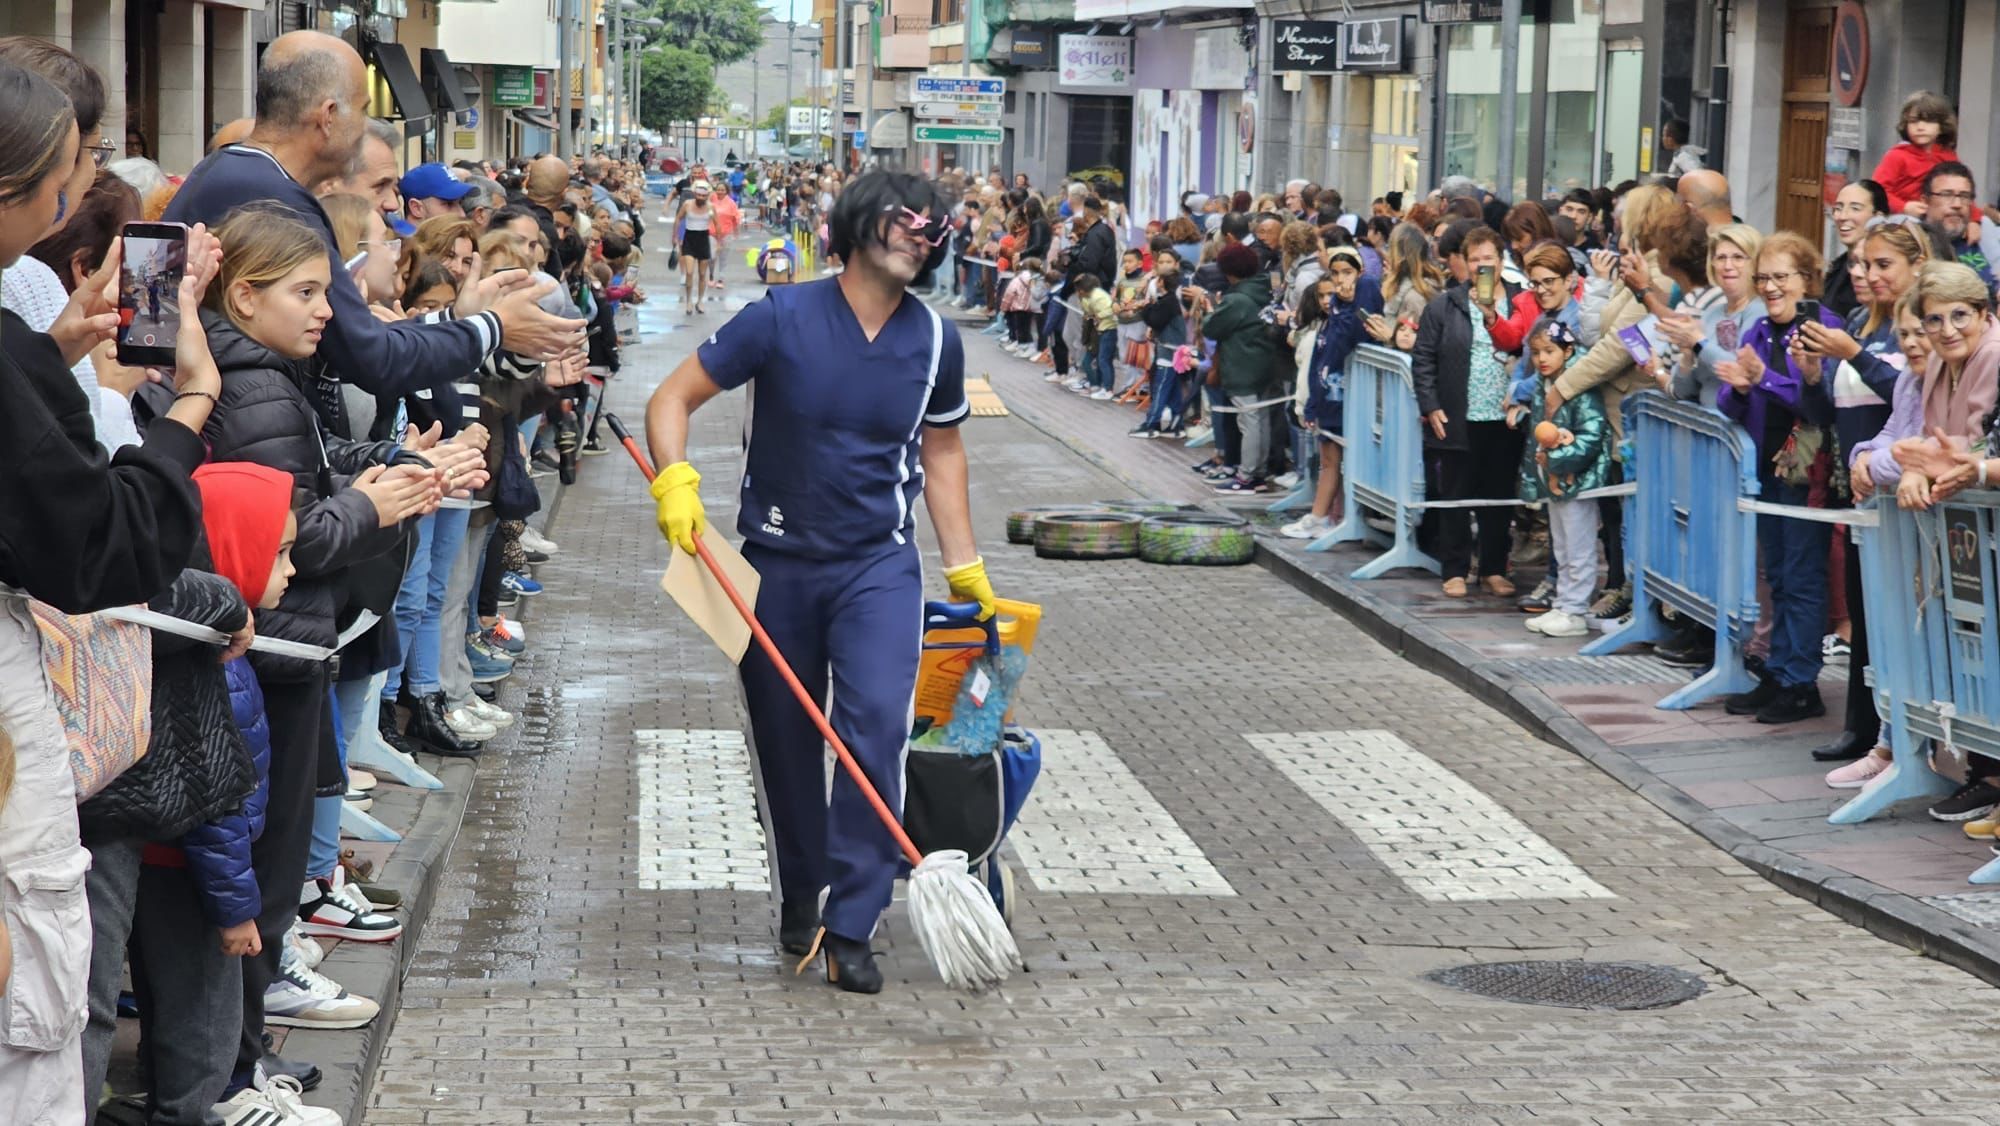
[(861, 621)]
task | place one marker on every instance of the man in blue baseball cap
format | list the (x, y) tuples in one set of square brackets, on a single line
[(431, 189)]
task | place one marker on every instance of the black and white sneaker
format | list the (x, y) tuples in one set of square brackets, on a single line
[(335, 910), (1971, 801)]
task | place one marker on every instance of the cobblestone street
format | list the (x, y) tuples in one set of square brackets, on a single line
[(1256, 831)]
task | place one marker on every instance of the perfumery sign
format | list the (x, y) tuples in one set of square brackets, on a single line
[(1309, 46), (1095, 62)]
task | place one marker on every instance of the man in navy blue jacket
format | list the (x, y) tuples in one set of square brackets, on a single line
[(312, 97)]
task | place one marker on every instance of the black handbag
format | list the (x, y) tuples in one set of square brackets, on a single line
[(514, 494)]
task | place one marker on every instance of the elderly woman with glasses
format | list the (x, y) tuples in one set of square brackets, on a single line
[(1779, 393)]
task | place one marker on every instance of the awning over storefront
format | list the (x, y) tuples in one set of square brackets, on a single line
[(534, 119), (447, 93), (392, 61)]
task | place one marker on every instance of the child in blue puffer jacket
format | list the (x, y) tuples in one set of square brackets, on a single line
[(198, 898)]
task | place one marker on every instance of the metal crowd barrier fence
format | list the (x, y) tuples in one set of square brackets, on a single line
[(1693, 537), (1383, 468)]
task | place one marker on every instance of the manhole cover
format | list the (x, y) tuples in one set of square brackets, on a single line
[(1574, 985)]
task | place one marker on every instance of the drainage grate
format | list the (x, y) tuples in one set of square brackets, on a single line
[(1574, 985)]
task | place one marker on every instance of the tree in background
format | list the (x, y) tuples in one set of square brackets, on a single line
[(721, 31), (675, 85)]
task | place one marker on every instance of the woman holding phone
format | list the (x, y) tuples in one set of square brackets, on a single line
[(1782, 398)]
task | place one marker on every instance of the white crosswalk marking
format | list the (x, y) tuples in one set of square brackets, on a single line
[(1440, 835), (698, 825), (1091, 827)]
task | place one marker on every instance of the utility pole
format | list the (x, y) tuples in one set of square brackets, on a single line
[(868, 98), (790, 26), (564, 147), (1510, 79), (843, 47), (589, 59)]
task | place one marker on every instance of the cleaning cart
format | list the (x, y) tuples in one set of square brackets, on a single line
[(970, 769)]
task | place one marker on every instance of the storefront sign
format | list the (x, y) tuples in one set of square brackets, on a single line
[(545, 86), (512, 86), (1375, 44), (464, 139), (1462, 11), (1095, 62), (1033, 47), (1850, 53), (1308, 46), (892, 131)]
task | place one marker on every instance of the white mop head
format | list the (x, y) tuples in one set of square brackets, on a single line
[(959, 926)]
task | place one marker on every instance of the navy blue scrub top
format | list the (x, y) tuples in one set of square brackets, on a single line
[(836, 420)]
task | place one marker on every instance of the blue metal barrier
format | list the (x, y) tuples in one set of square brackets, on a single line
[(1900, 563), (1384, 466), (1693, 545)]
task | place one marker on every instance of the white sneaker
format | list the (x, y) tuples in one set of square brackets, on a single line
[(303, 998), (1557, 623), (536, 541), (1102, 396), (1285, 480), (1199, 433), (306, 947), (278, 1104), (469, 726), (1307, 527), (1054, 377), (335, 909), (360, 780), (489, 714)]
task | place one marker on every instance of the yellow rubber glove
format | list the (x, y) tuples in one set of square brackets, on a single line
[(678, 491), (968, 583)]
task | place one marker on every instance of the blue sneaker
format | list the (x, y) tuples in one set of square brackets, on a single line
[(520, 584), (487, 665), (500, 638)]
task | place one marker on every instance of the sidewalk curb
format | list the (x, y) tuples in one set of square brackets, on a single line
[(349, 1059), (1900, 918)]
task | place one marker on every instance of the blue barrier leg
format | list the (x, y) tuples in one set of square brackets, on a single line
[(1725, 677), (362, 827), (1402, 553), (1300, 497), (1988, 874), (1909, 776), (367, 751), (1207, 439)]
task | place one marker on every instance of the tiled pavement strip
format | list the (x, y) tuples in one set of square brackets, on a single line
[(551, 986)]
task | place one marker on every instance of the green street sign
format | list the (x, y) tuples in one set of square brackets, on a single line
[(513, 85), (959, 134)]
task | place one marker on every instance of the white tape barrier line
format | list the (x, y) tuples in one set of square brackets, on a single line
[(1443, 838), (1091, 827), (139, 615), (698, 825)]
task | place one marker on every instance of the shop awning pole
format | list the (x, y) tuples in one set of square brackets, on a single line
[(1510, 80)]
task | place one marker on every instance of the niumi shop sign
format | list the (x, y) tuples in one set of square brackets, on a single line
[(1326, 46), (1312, 46)]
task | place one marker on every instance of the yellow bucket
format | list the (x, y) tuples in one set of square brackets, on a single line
[(941, 671)]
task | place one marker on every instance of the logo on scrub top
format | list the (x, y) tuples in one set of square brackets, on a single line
[(774, 522)]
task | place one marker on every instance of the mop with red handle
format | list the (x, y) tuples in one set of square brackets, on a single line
[(956, 922)]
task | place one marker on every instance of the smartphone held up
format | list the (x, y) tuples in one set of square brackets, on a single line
[(149, 293)]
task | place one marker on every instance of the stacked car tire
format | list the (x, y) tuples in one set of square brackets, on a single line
[(1155, 531)]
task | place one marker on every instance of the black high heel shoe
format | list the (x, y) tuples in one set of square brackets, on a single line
[(797, 927), (849, 964)]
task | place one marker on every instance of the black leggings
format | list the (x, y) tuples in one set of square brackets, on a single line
[(1611, 529), (1020, 326), (300, 731)]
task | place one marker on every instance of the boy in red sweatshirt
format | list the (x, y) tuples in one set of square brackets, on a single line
[(1929, 129)]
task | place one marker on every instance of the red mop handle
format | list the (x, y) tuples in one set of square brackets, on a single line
[(778, 661)]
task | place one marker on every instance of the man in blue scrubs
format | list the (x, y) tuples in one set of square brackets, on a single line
[(856, 392)]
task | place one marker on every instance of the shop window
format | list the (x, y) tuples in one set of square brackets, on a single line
[(1395, 143), (1472, 106), (1100, 133)]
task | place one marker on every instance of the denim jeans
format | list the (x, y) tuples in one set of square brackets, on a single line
[(1164, 409), (420, 603), (1107, 375), (1795, 562)]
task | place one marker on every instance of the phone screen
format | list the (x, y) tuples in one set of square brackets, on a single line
[(149, 286), (1808, 311), (1636, 344), (1485, 280)]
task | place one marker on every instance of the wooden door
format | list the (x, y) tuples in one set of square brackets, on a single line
[(1802, 135)]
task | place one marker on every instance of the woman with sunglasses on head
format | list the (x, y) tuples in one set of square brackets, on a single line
[(1854, 209), (857, 388), (81, 534)]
